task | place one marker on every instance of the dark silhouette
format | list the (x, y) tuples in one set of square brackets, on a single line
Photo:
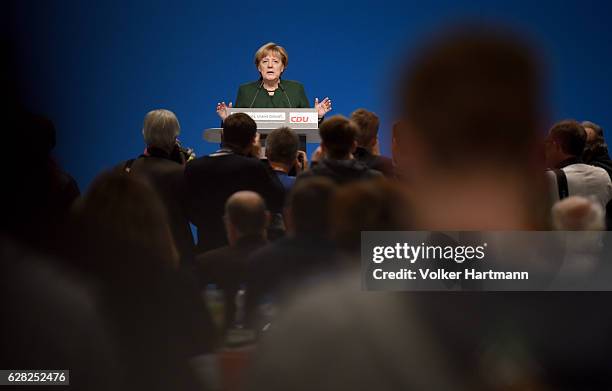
[(338, 142), (230, 169), (301, 257), (367, 142), (246, 219)]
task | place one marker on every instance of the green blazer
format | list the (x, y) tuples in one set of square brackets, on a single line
[(250, 95)]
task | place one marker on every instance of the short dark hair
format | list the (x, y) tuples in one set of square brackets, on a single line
[(239, 130), (309, 202), (367, 126), (282, 145), (474, 96), (249, 217), (570, 135), (338, 135)]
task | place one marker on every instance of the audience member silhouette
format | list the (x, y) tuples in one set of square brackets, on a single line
[(233, 168), (123, 245), (162, 167), (338, 142), (367, 150), (376, 205), (282, 148), (569, 176), (246, 219), (305, 254)]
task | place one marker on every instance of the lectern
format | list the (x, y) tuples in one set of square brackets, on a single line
[(305, 122)]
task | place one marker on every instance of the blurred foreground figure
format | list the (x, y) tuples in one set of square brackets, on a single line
[(583, 259), (578, 214), (466, 138), (376, 205), (122, 243), (277, 270), (50, 320)]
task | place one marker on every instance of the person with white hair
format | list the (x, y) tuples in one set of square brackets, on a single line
[(578, 213), (583, 247), (162, 165), (160, 129)]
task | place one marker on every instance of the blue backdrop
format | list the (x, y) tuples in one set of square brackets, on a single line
[(96, 69)]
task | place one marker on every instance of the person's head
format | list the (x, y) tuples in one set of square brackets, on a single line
[(123, 214), (595, 141), (594, 132), (375, 205), (578, 214), (367, 128), (566, 139), (245, 215), (308, 207), (160, 129), (338, 137), (468, 115), (282, 146), (239, 132), (271, 60)]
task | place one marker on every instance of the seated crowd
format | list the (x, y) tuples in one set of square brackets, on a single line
[(275, 230)]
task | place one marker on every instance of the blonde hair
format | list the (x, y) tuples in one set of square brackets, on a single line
[(268, 48), (578, 213), (160, 129)]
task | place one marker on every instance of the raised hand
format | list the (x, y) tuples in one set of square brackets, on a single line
[(222, 110), (323, 107), (301, 162)]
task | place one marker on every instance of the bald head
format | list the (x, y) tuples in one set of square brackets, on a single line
[(245, 213), (578, 214)]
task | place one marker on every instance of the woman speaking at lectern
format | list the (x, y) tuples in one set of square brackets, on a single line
[(270, 91)]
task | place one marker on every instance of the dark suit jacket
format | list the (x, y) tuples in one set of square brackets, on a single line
[(166, 177), (226, 267), (211, 180), (378, 163), (290, 95)]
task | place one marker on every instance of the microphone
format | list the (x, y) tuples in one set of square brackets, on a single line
[(256, 93), (284, 92)]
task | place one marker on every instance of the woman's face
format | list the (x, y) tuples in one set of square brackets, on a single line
[(271, 67)]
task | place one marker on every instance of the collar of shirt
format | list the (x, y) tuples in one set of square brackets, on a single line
[(569, 161)]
